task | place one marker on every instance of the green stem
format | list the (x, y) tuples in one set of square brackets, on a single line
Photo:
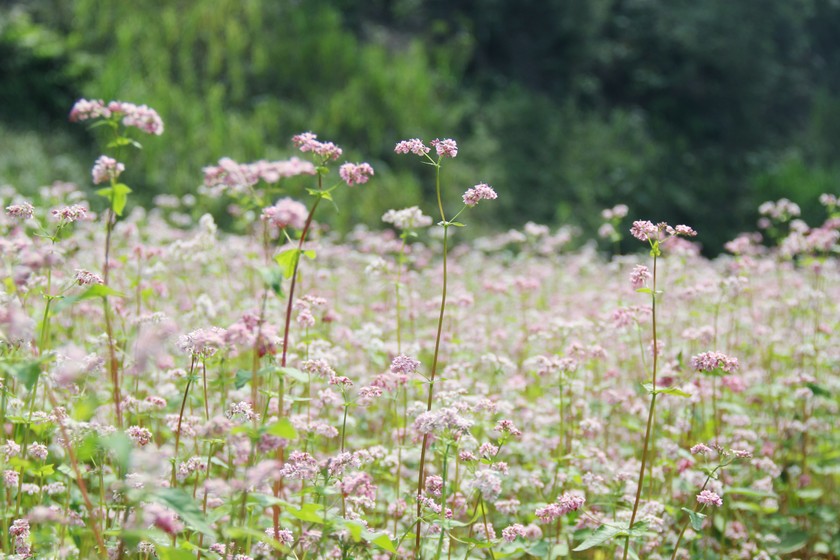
[(650, 417), (422, 474)]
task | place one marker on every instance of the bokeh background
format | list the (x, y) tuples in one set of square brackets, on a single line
[(690, 112)]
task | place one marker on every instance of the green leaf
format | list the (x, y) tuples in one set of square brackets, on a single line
[(43, 470), (273, 278), (644, 290), (243, 376), (288, 260), (384, 542), (120, 198), (792, 542), (95, 291), (355, 529), (809, 494), (311, 513), (601, 535), (172, 553), (184, 505), (123, 141), (818, 390), (120, 447), (457, 224), (282, 428), (664, 390), (26, 372), (696, 519), (294, 373), (87, 449)]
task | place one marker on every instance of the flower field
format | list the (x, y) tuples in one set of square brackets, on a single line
[(174, 391)]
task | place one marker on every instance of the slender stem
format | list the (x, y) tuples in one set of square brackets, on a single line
[(180, 418), (278, 485), (422, 474), (650, 415), (113, 363), (94, 526)]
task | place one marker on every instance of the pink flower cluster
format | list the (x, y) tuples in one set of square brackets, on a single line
[(138, 116), (644, 230), (414, 146), (711, 361), (70, 214), (355, 173), (481, 191), (404, 364), (105, 169), (709, 498), (446, 147), (564, 504), (639, 276), (87, 278), (22, 211), (285, 213), (229, 174), (307, 142)]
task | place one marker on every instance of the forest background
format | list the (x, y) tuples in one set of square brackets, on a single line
[(688, 112)]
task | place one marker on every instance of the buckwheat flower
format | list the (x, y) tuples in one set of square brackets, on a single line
[(446, 147), (487, 482), (163, 518), (507, 426), (488, 450), (570, 502), (701, 449), (404, 364), (639, 276), (22, 211), (284, 536), (355, 173), (685, 230), (87, 278), (414, 146), (285, 213), (139, 116), (307, 142), (70, 214), (38, 451), (140, 436), (105, 169), (481, 191), (341, 380), (407, 218), (434, 485), (644, 230), (10, 478), (709, 498), (242, 409), (509, 534), (272, 171), (606, 231), (711, 361), (10, 449), (85, 109), (231, 175)]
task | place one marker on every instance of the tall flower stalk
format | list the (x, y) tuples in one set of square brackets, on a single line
[(118, 117), (655, 235), (446, 148)]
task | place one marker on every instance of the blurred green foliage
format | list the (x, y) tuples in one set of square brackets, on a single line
[(690, 112)]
